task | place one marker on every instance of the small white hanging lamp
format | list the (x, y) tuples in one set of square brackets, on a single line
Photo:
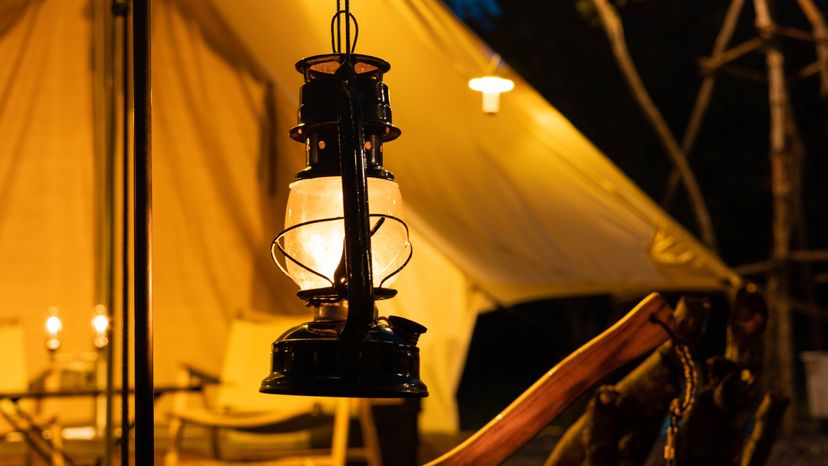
[(491, 86)]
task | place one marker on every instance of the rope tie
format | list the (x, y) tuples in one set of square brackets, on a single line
[(684, 402)]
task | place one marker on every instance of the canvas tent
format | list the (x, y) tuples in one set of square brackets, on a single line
[(504, 209)]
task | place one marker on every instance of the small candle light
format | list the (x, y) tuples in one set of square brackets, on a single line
[(53, 327), (100, 326)]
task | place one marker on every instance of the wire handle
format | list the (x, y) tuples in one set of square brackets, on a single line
[(277, 245), (680, 405), (336, 37)]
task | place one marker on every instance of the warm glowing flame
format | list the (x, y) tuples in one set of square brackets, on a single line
[(319, 245), (53, 327), (100, 324), (53, 323)]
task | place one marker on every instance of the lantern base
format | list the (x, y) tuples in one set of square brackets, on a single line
[(313, 360)]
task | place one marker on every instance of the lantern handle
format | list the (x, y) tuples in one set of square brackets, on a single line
[(277, 244), (336, 38)]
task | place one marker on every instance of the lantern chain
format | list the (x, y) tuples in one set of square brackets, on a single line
[(683, 403)]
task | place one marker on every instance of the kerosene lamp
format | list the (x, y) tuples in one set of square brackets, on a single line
[(345, 240)]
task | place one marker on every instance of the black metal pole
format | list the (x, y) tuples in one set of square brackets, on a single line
[(144, 415), (125, 263), (111, 175), (355, 207)]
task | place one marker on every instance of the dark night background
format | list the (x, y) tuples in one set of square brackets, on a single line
[(564, 53)]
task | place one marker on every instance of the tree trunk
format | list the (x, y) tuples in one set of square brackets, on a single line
[(780, 338)]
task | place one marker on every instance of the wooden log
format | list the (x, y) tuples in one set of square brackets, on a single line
[(642, 401), (767, 421), (746, 325), (629, 338), (602, 433), (714, 431)]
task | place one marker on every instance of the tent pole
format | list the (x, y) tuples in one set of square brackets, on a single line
[(111, 34), (123, 9), (144, 416)]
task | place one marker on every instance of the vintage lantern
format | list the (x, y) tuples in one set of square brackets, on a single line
[(345, 239)]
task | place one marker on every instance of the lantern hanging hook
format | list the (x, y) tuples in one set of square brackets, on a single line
[(336, 29)]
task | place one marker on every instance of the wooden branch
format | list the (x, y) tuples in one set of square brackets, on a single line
[(813, 255), (746, 325), (628, 339), (821, 38), (712, 64), (754, 268), (809, 70), (767, 421), (809, 309), (615, 33), (640, 399), (793, 33), (743, 72), (704, 95), (782, 186)]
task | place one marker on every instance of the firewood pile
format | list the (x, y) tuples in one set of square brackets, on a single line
[(732, 421)]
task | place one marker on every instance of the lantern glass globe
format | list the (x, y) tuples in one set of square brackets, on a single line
[(319, 245)]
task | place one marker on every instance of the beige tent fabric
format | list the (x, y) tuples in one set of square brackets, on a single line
[(519, 205), (435, 293), (217, 207), (540, 211), (47, 219), (213, 211)]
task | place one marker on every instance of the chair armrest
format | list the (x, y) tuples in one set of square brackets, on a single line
[(39, 380), (207, 418), (203, 375)]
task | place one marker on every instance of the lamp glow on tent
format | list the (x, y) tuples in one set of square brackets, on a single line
[(345, 239), (491, 87)]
